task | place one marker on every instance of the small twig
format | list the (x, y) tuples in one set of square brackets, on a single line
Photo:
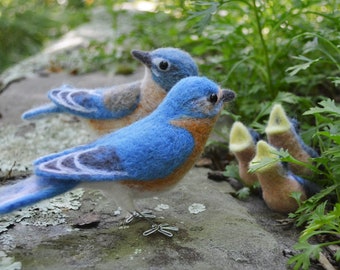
[(4, 86), (325, 262), (9, 173)]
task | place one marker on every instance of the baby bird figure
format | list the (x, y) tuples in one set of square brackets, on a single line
[(277, 182), (282, 133), (242, 143), (107, 109), (145, 158)]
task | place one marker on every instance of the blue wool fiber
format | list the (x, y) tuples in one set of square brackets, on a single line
[(30, 191), (41, 111), (180, 66)]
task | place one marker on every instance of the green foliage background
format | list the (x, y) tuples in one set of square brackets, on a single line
[(26, 25)]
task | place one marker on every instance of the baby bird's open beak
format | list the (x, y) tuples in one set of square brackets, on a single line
[(142, 56), (227, 95)]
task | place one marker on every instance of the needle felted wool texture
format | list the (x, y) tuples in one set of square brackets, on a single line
[(278, 182), (107, 109), (242, 143), (282, 133), (149, 156)]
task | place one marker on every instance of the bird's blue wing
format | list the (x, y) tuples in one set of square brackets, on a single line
[(106, 103), (137, 152), (97, 163), (309, 187), (156, 151)]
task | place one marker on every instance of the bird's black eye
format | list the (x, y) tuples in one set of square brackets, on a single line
[(213, 98), (163, 65)]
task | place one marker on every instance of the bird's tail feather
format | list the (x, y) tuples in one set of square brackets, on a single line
[(31, 190), (309, 187), (40, 111)]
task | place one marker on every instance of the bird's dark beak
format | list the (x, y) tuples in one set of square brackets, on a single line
[(142, 56), (228, 95)]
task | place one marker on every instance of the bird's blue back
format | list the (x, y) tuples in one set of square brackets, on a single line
[(124, 157)]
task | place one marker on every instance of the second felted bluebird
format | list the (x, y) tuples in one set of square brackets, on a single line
[(145, 158), (107, 109)]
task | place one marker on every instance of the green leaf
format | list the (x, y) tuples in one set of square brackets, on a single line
[(296, 196), (243, 193), (263, 163), (307, 208), (297, 68), (335, 80), (205, 15), (302, 260), (231, 170), (286, 97), (337, 255), (327, 106)]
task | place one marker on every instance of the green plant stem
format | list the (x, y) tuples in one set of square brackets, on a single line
[(265, 50), (329, 243), (337, 191)]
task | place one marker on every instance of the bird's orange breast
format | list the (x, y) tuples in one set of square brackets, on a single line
[(151, 96), (200, 130)]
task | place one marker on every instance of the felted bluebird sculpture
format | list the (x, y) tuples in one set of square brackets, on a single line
[(144, 158), (107, 109), (242, 143), (282, 133), (277, 182)]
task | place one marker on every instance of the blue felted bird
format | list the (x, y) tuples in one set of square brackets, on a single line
[(242, 143), (278, 182), (147, 157), (107, 109), (282, 133)]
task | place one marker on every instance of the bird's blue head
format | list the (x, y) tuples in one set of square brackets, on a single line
[(167, 65), (195, 97)]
